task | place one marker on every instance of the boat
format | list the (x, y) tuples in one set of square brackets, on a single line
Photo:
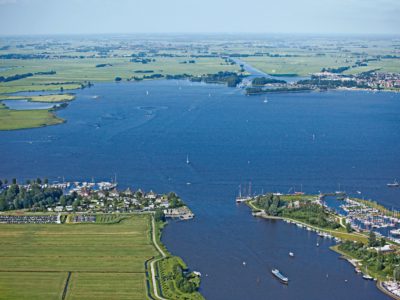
[(244, 263), (395, 183), (187, 159), (265, 100), (279, 275), (291, 254), (395, 231), (240, 198), (366, 276)]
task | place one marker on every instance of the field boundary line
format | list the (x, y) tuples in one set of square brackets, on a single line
[(66, 286)]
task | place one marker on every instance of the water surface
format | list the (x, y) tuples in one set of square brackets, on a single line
[(317, 140)]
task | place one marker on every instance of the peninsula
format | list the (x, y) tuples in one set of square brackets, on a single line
[(353, 225), (76, 240)]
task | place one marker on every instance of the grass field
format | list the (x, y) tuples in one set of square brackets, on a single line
[(20, 119), (54, 98), (305, 65), (70, 73), (106, 261)]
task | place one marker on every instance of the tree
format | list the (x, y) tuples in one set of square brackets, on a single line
[(159, 215), (348, 227), (63, 201), (396, 273), (14, 181), (46, 181), (38, 180), (372, 242), (28, 181)]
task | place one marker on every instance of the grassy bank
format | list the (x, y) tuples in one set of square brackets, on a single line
[(309, 216), (22, 119), (54, 98), (174, 282)]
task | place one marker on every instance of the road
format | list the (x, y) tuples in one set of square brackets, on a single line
[(152, 264)]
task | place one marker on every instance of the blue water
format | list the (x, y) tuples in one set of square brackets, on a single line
[(230, 139)]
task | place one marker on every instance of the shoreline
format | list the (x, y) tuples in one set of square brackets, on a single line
[(353, 261)]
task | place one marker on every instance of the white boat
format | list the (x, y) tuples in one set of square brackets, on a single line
[(187, 159), (280, 276), (395, 231), (265, 100), (395, 183), (291, 254)]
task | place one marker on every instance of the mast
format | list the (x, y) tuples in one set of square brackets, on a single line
[(250, 188)]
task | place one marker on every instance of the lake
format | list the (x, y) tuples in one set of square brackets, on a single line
[(142, 132)]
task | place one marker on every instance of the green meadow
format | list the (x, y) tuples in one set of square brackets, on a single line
[(71, 73), (18, 119), (106, 261)]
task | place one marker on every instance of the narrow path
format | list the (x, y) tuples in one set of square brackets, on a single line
[(155, 238), (152, 264), (66, 286)]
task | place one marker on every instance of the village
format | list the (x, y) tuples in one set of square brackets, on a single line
[(84, 200), (372, 80)]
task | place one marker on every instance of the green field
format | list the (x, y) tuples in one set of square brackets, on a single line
[(70, 73), (106, 261), (19, 119), (306, 65), (52, 98)]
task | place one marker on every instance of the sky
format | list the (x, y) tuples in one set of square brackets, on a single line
[(34, 17)]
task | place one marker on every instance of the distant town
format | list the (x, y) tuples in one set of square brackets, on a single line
[(327, 79)]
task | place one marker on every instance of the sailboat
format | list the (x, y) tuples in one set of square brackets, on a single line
[(265, 100), (187, 159), (241, 198)]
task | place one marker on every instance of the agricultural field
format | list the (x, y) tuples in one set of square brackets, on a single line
[(105, 261), (71, 73)]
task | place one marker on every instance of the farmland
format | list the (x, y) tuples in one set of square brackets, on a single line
[(106, 261)]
